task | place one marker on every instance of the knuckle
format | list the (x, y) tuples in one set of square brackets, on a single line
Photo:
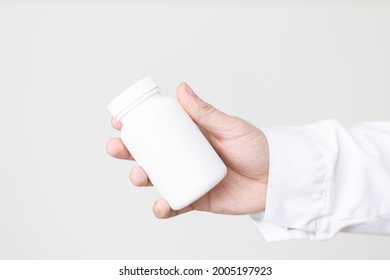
[(207, 108)]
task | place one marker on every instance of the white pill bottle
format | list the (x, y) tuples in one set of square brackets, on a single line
[(167, 144)]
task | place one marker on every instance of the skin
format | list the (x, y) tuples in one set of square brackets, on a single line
[(243, 148)]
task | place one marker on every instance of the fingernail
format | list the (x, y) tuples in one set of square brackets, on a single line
[(156, 208), (189, 90)]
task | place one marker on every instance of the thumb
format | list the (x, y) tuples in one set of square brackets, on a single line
[(201, 112)]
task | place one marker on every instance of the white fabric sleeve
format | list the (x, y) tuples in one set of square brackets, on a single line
[(324, 179)]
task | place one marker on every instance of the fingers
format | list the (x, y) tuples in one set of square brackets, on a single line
[(201, 112), (117, 149), (116, 124), (162, 210), (138, 177)]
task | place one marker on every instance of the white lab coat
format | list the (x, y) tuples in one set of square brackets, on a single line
[(325, 179)]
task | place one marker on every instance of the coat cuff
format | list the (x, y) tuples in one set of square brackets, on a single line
[(297, 186)]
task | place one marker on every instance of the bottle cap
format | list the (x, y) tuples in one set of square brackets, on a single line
[(124, 100)]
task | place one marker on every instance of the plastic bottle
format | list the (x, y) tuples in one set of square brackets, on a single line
[(167, 144)]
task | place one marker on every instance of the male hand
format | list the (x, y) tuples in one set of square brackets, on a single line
[(242, 147)]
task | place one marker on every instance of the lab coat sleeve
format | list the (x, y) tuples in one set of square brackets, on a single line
[(324, 179)]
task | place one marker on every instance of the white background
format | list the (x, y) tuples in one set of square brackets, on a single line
[(270, 62)]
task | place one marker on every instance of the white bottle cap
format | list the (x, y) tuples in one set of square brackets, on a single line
[(123, 101)]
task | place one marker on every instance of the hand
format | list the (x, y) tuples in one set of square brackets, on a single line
[(242, 147)]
